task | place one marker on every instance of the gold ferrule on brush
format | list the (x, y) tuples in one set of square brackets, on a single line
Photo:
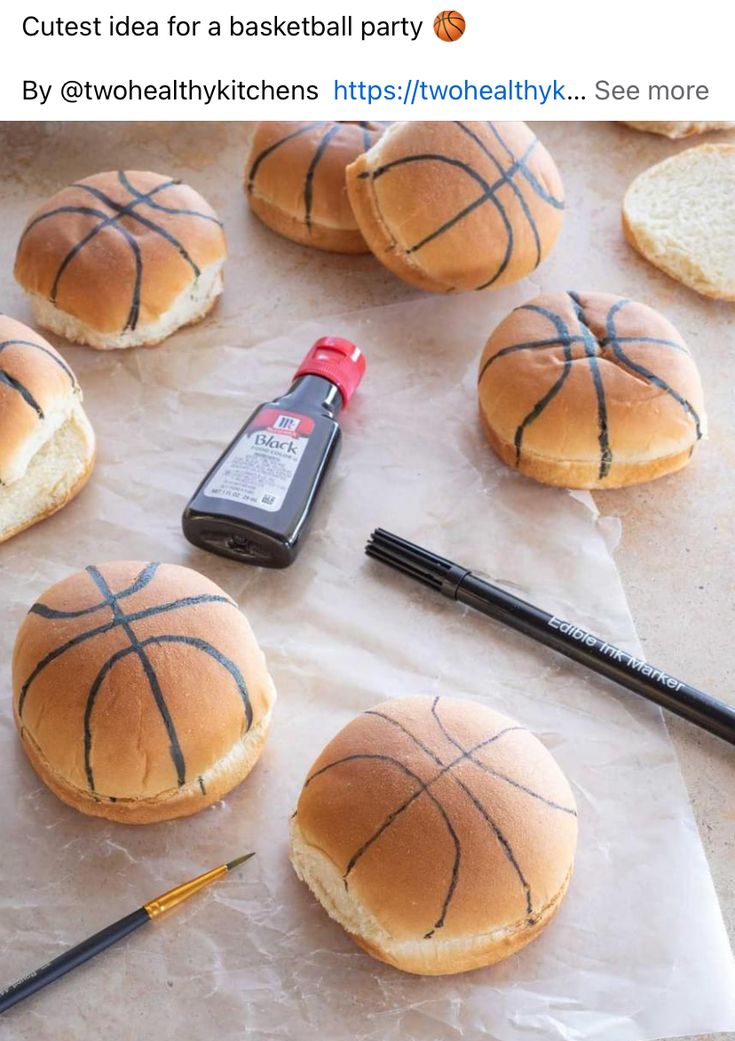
[(175, 896)]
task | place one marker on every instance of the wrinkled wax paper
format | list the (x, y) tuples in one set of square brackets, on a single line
[(638, 949)]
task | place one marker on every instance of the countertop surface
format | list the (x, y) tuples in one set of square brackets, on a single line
[(676, 552)]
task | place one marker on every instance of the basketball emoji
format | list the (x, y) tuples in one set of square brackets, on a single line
[(449, 25)]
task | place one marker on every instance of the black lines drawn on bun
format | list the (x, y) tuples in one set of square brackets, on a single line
[(111, 608), (112, 218), (421, 787), (588, 389), (459, 205), (17, 385), (295, 180), (121, 259)]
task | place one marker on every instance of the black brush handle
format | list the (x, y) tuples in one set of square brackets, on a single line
[(582, 646), (70, 959)]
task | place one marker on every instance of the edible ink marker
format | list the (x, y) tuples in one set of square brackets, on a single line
[(255, 503)]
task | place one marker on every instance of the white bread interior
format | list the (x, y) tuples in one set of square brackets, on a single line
[(190, 306), (54, 474), (56, 415), (680, 215)]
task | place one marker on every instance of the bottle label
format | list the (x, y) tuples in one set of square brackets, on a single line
[(260, 468)]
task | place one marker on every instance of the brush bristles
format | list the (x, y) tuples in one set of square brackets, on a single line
[(239, 860)]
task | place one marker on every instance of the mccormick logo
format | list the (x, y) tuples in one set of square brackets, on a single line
[(286, 424)]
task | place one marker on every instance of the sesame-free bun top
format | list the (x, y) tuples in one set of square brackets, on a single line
[(295, 180), (121, 258), (140, 691), (590, 390), (458, 205), (439, 833)]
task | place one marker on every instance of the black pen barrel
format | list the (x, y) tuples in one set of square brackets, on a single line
[(577, 643), (70, 959)]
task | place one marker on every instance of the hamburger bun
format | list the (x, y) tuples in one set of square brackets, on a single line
[(140, 691), (121, 259), (457, 205), (295, 181), (680, 216), (408, 814), (47, 444), (590, 390), (676, 130)]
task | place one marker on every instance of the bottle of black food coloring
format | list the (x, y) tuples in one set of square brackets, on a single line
[(255, 503)]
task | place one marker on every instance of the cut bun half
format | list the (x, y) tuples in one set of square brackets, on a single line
[(47, 445), (680, 216)]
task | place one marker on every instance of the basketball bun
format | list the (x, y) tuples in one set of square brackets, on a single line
[(121, 259), (457, 206), (295, 181), (140, 691), (408, 814), (47, 445), (590, 390)]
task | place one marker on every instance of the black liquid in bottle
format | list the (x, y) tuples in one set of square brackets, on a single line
[(255, 503)]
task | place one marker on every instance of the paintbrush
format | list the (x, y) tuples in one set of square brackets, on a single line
[(54, 970)]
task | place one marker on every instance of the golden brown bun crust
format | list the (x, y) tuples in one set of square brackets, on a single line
[(458, 205), (416, 839), (35, 385), (130, 272), (127, 703), (295, 181), (179, 802), (621, 403)]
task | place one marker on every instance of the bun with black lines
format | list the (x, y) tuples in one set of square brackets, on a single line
[(439, 833), (458, 205), (121, 259), (47, 445), (590, 390), (140, 692), (295, 180)]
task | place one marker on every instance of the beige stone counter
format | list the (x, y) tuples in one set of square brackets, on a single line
[(676, 555)]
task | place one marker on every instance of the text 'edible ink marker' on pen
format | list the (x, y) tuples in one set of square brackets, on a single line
[(255, 503)]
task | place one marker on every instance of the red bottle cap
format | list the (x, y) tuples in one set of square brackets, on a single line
[(336, 360)]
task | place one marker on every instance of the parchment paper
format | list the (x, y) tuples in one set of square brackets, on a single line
[(638, 949)]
